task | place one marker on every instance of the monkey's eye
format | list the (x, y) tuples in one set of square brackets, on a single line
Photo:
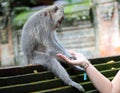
[(56, 8)]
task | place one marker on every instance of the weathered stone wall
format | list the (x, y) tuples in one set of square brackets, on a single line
[(78, 39), (106, 23), (7, 55)]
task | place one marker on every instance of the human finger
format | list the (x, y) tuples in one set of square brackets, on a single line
[(64, 57)]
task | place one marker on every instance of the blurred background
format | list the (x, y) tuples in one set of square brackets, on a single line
[(90, 27)]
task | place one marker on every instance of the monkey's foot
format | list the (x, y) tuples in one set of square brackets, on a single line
[(76, 85)]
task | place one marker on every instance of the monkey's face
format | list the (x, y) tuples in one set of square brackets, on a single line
[(56, 14)]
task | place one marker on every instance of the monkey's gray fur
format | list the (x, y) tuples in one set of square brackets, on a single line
[(40, 44)]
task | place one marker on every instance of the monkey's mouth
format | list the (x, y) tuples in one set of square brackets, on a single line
[(59, 21)]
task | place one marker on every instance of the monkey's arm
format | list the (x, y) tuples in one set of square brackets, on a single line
[(56, 46)]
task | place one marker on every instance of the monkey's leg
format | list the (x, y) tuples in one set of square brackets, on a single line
[(53, 65), (59, 71)]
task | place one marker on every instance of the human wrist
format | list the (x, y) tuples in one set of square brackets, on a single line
[(85, 65)]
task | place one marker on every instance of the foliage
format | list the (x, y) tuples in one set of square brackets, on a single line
[(21, 18), (70, 1), (70, 7), (73, 12)]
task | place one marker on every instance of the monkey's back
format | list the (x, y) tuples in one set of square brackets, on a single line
[(32, 33)]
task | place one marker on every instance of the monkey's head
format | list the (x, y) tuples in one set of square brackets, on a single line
[(55, 14)]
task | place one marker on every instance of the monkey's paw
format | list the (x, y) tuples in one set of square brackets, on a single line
[(76, 85)]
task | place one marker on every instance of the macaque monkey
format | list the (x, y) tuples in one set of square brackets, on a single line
[(40, 44)]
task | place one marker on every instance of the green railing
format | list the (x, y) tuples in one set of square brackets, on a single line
[(38, 80)]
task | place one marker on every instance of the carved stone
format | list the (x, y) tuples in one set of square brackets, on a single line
[(106, 22)]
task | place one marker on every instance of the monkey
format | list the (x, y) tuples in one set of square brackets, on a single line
[(40, 44)]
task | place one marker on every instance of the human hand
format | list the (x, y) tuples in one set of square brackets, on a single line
[(80, 59)]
